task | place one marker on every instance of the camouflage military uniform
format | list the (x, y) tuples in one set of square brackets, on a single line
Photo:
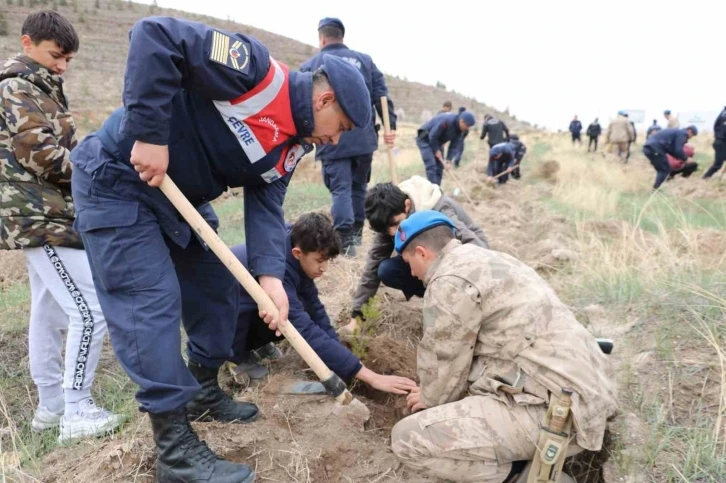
[(497, 343), (37, 133)]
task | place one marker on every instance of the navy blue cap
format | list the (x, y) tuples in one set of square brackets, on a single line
[(622, 113), (331, 22), (349, 88), (694, 129), (416, 224), (667, 111), (468, 118)]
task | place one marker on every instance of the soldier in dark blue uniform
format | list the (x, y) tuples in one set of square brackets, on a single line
[(653, 128), (719, 145), (502, 157), (213, 110), (456, 150), (347, 165), (495, 129), (667, 141), (432, 136)]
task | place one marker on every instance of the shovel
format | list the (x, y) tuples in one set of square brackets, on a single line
[(332, 383)]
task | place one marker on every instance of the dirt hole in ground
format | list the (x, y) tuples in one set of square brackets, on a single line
[(587, 466), (548, 171), (388, 356)]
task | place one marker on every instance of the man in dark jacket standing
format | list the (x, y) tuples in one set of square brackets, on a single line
[(214, 110), (575, 130), (667, 141), (653, 128), (719, 144), (495, 129), (347, 165), (593, 132)]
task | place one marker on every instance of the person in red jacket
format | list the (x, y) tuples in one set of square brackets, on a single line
[(684, 168)]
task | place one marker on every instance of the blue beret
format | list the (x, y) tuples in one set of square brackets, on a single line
[(622, 113), (350, 89), (693, 128), (416, 224), (468, 118), (331, 22)]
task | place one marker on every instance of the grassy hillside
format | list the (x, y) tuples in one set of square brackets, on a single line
[(95, 80)]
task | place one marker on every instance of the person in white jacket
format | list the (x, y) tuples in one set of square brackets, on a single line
[(386, 206)]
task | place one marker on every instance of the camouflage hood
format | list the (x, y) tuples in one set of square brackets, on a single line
[(37, 134), (24, 67)]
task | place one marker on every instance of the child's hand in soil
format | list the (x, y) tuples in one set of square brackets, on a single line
[(393, 384)]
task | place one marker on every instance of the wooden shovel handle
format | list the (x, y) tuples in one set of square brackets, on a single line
[(387, 130)]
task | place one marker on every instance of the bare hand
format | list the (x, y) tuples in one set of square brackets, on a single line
[(393, 384), (390, 138), (447, 165), (413, 401), (439, 156), (151, 162), (273, 287)]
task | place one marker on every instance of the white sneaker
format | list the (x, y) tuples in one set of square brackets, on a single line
[(89, 420), (45, 419)]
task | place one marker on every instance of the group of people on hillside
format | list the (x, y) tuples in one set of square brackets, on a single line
[(211, 109), (506, 150), (666, 149)]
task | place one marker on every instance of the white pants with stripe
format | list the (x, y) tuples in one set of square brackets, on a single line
[(63, 301)]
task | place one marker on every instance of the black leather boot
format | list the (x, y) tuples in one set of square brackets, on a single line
[(347, 245), (212, 403), (183, 458), (357, 234)]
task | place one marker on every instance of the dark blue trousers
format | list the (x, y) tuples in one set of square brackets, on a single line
[(660, 163), (347, 180), (719, 148), (151, 273), (434, 167), (497, 166), (396, 273)]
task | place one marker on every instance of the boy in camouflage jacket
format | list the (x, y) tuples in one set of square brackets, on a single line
[(37, 134)]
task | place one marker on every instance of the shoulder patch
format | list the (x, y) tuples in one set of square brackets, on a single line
[(232, 53)]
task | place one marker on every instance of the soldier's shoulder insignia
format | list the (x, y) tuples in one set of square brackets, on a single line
[(230, 52)]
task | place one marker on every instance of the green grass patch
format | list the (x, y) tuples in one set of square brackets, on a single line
[(654, 214)]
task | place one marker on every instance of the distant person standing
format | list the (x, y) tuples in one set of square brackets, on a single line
[(575, 130), (620, 133), (446, 107), (456, 150), (663, 143), (719, 144), (633, 137), (593, 132), (673, 122), (654, 128), (495, 129), (347, 164)]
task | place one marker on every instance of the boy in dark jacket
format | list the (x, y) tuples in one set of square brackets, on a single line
[(311, 244)]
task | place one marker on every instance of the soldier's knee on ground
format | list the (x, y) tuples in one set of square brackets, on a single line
[(403, 437)]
